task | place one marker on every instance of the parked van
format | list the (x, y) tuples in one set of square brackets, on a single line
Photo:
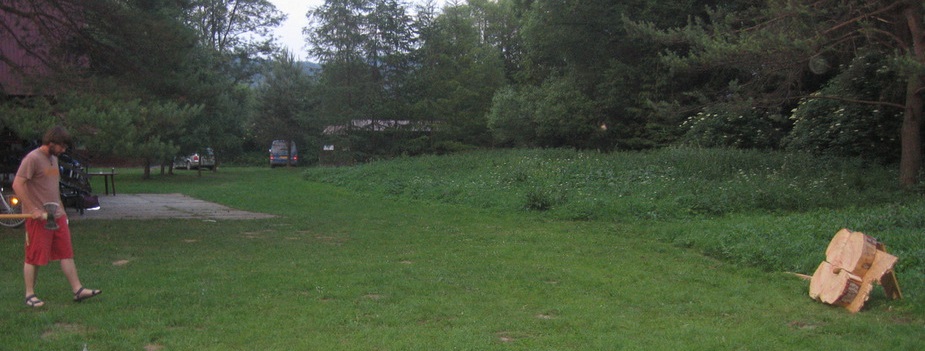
[(280, 155)]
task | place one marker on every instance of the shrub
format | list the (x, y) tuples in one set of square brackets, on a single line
[(836, 127), (729, 126)]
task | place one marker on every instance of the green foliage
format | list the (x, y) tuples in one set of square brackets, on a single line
[(564, 116), (774, 53), (457, 76), (145, 82), (107, 127), (839, 127), (775, 211), (287, 108), (674, 183), (29, 119), (237, 34), (359, 271), (595, 74), (511, 119), (610, 76), (729, 126), (140, 45), (556, 114)]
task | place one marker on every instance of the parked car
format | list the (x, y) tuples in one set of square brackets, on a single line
[(280, 155), (195, 160)]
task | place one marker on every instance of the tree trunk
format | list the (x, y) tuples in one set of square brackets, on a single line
[(147, 170), (910, 163)]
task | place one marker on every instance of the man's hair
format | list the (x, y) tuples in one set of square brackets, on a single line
[(57, 135)]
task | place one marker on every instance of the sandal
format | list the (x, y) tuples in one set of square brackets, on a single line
[(33, 301), (79, 296)]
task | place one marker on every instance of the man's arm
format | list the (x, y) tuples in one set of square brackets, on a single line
[(19, 186)]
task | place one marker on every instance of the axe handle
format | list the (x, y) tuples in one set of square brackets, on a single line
[(20, 215)]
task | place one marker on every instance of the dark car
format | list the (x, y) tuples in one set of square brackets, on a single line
[(206, 159), (280, 153)]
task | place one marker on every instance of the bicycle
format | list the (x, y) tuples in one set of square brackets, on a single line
[(9, 204)]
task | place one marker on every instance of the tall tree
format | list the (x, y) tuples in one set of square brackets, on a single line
[(389, 42), (337, 37), (287, 105), (238, 31), (586, 46), (457, 75), (128, 96), (777, 52)]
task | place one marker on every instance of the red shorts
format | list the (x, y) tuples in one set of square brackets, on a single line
[(43, 245)]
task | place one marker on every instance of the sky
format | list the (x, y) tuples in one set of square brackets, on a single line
[(290, 32)]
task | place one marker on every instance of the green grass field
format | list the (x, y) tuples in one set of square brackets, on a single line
[(501, 250)]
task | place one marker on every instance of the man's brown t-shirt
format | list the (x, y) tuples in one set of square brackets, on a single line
[(42, 175)]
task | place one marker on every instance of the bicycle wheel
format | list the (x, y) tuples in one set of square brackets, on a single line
[(6, 208)]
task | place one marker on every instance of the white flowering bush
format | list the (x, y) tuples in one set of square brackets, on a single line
[(732, 125), (843, 119)]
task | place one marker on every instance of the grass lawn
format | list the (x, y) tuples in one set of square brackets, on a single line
[(342, 269)]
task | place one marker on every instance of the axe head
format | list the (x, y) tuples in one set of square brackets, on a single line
[(51, 209)]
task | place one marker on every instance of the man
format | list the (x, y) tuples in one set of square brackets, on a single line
[(36, 183)]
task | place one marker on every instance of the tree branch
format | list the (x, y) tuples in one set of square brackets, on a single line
[(862, 16), (857, 101)]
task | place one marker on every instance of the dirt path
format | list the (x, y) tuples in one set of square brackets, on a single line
[(155, 206)]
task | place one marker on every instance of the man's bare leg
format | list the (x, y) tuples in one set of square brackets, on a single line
[(70, 272), (30, 272)]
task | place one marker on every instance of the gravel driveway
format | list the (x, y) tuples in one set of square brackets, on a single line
[(154, 206)]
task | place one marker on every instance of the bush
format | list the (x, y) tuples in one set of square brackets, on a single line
[(727, 126), (835, 127), (671, 183)]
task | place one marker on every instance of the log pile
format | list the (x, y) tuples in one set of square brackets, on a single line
[(854, 262)]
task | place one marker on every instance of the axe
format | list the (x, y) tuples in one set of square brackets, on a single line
[(50, 209)]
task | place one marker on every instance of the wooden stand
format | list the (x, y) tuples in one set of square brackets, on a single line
[(854, 262)]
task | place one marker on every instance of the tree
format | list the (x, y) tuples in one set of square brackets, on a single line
[(457, 75), (137, 44), (238, 31), (778, 52), (144, 131), (511, 119), (337, 36), (132, 57), (830, 126), (588, 45), (287, 107)]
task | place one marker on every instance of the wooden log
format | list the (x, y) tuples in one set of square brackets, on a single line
[(854, 262), (818, 280), (837, 245), (833, 285), (841, 288), (854, 251)]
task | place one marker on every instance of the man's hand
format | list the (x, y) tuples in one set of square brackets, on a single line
[(39, 214)]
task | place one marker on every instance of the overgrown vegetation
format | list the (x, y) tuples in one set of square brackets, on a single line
[(357, 270), (775, 211), (840, 78)]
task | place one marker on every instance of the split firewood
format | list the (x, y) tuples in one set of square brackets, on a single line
[(833, 285), (853, 251)]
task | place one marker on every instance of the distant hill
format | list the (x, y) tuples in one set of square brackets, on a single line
[(310, 68)]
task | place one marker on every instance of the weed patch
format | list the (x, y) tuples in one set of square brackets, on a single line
[(775, 211), (346, 269)]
